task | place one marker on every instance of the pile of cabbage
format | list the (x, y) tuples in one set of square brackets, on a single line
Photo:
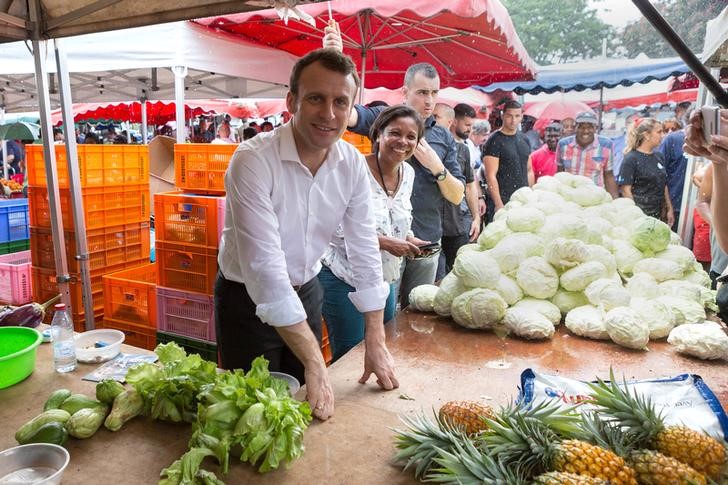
[(565, 249)]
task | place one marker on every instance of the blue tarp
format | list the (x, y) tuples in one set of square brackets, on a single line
[(594, 74)]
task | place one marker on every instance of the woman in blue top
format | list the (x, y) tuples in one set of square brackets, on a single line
[(394, 135), (642, 176)]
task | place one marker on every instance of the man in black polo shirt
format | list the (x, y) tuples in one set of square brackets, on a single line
[(506, 161)]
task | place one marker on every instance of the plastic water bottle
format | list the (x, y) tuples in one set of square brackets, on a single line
[(64, 348)]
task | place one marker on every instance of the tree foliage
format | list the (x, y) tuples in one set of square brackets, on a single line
[(559, 31), (687, 18)]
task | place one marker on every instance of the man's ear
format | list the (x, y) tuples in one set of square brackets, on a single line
[(404, 94), (291, 102)]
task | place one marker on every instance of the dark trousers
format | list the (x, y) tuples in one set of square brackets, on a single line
[(242, 336), (450, 246)]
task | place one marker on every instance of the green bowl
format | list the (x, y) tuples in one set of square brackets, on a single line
[(17, 353)]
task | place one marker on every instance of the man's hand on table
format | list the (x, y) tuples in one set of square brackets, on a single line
[(378, 361), (319, 394)]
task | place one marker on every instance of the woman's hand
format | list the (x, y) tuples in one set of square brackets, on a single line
[(399, 247)]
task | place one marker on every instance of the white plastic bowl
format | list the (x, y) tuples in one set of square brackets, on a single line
[(33, 464), (293, 384), (86, 350)]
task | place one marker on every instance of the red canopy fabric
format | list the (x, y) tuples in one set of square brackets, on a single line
[(659, 98), (158, 112), (468, 41)]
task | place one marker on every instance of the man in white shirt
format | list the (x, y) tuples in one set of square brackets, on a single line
[(287, 192)]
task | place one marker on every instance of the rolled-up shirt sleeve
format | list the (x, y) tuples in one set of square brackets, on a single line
[(249, 183), (362, 248)]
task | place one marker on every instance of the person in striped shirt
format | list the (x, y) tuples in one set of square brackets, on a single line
[(587, 154)]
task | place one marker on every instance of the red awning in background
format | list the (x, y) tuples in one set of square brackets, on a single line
[(160, 112), (659, 98), (468, 42)]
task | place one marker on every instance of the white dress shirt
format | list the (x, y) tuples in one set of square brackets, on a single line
[(279, 220)]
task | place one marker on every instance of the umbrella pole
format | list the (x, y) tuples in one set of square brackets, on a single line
[(363, 75), (49, 156), (601, 108), (4, 144), (143, 101), (179, 101), (74, 184)]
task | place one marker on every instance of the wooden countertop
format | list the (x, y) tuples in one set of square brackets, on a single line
[(436, 362)]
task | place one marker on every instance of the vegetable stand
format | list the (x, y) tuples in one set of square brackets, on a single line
[(436, 361)]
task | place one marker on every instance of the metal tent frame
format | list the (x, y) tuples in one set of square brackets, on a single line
[(40, 20)]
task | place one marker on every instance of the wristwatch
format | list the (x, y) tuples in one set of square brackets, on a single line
[(442, 175)]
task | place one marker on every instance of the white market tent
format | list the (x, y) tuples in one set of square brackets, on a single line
[(138, 64)]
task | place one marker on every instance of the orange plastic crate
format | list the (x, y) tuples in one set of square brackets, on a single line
[(45, 286), (99, 165), (200, 167), (137, 335), (107, 247), (360, 142), (130, 296), (103, 206), (187, 267), (189, 219)]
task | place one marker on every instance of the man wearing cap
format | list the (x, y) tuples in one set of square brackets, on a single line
[(587, 154), (543, 160)]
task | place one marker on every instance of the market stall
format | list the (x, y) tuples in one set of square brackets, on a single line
[(436, 361)]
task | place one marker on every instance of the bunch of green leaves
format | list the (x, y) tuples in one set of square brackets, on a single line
[(251, 412), (170, 388)]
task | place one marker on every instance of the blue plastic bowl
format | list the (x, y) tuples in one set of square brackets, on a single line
[(18, 347)]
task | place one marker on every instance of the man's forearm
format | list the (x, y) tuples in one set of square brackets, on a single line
[(472, 192), (303, 343), (611, 185), (374, 327), (494, 190), (452, 189), (718, 204)]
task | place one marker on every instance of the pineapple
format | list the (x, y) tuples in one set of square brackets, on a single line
[(654, 468), (537, 448), (637, 413), (651, 467), (561, 478), (466, 465), (466, 415), (421, 442)]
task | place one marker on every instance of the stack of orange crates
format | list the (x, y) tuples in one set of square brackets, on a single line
[(188, 226), (115, 194)]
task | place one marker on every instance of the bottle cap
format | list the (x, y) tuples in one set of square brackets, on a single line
[(59, 306)]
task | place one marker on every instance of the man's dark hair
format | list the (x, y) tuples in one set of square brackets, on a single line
[(393, 113), (463, 110), (376, 103), (266, 123), (249, 133), (424, 68), (330, 59), (512, 104)]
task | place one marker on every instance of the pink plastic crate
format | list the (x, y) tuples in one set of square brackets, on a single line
[(15, 280), (186, 314)]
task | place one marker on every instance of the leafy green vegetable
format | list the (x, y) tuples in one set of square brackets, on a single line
[(170, 390), (253, 410)]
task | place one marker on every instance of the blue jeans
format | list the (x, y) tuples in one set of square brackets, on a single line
[(344, 322)]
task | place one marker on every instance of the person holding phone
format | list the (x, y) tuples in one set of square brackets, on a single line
[(394, 135), (715, 150)]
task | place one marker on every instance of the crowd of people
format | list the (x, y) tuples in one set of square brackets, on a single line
[(313, 227)]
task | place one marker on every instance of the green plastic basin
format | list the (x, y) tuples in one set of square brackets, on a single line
[(18, 347)]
